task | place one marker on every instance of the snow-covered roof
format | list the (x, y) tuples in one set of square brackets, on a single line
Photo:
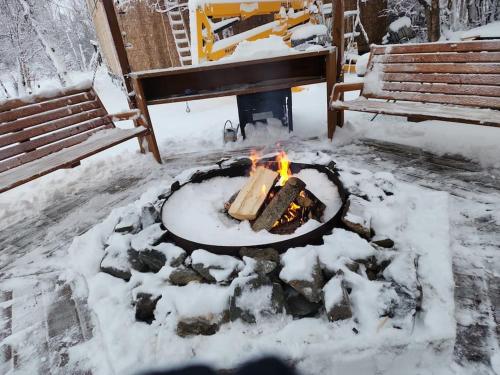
[(491, 30)]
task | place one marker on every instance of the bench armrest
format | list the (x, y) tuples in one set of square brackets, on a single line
[(339, 88)]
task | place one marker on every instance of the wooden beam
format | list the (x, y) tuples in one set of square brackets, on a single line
[(338, 32)]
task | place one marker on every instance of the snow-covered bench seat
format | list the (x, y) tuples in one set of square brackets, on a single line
[(442, 81), (43, 133)]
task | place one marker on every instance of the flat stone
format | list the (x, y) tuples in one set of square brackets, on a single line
[(129, 223), (386, 243), (337, 302), (215, 268), (298, 306), (149, 215), (145, 305), (311, 290), (114, 261), (356, 216), (197, 326), (182, 276), (255, 297), (268, 254)]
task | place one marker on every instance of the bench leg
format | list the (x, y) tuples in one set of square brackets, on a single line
[(152, 145)]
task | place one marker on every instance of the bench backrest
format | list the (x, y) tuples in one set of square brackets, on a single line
[(36, 126), (462, 73)]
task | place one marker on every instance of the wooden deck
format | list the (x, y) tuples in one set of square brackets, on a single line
[(31, 295)]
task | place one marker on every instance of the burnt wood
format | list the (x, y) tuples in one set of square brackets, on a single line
[(279, 204), (43, 133), (444, 81)]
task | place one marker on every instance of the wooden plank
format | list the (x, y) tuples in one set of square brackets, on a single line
[(53, 137), (10, 104), (473, 79), (50, 126), (475, 46), (480, 116), (448, 57), (225, 66), (47, 116), (470, 101), (442, 68), (66, 157), (50, 149), (252, 196), (279, 204), (459, 89), (49, 105)]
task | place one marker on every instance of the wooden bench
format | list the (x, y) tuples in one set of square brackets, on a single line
[(457, 82), (40, 134)]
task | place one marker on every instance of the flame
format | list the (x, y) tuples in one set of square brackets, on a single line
[(283, 167), (254, 157), (263, 190)]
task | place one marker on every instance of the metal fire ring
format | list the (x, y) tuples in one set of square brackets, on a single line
[(240, 168)]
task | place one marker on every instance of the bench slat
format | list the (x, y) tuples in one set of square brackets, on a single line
[(44, 140), (475, 46), (50, 126), (471, 101), (442, 68), (48, 116), (52, 104), (50, 149), (441, 88), (66, 157), (10, 104), (482, 116), (465, 57), (473, 79)]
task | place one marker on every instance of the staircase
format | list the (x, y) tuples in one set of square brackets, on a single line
[(178, 27)]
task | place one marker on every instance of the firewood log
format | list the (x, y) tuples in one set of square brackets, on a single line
[(279, 204), (252, 196)]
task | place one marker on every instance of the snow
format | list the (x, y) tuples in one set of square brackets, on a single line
[(221, 266), (314, 344), (400, 23), (491, 30), (218, 229), (333, 292), (258, 49), (362, 64), (307, 31)]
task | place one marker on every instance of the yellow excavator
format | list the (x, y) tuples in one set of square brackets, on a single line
[(204, 28)]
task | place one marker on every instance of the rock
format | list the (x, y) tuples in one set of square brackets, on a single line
[(268, 254), (215, 268), (260, 266), (374, 268), (149, 215), (398, 303), (337, 302), (298, 306), (386, 243), (182, 276), (129, 223), (135, 261), (302, 271), (115, 262), (145, 305), (174, 255), (356, 217), (148, 237), (254, 297), (197, 326)]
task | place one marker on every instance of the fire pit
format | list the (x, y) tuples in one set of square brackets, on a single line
[(254, 203)]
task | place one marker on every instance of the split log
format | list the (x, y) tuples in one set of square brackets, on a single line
[(312, 205), (279, 204), (251, 197)]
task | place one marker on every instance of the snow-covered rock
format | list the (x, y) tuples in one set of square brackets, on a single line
[(147, 237), (302, 271), (362, 64), (357, 217), (115, 260), (215, 268), (337, 302)]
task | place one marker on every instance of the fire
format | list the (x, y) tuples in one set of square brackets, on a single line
[(283, 167), (254, 157)]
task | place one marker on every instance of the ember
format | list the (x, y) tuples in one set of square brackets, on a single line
[(274, 200)]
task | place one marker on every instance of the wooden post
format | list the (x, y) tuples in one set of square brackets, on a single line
[(133, 102), (338, 41), (331, 78), (142, 105)]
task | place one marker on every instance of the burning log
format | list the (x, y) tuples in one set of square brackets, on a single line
[(311, 204), (279, 204), (252, 196)]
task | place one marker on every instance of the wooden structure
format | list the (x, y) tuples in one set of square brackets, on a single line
[(443, 81), (236, 78), (45, 133)]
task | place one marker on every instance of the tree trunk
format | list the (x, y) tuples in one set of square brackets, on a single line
[(50, 50), (4, 90)]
